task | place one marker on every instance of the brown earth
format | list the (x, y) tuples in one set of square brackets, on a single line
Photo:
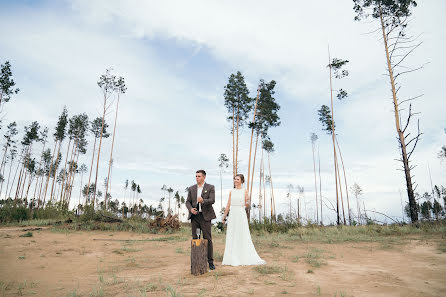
[(73, 263)]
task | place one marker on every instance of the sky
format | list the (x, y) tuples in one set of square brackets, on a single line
[(176, 57)]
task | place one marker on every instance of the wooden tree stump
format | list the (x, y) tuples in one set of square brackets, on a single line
[(199, 256)]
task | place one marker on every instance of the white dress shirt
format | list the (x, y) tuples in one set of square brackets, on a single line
[(199, 191)]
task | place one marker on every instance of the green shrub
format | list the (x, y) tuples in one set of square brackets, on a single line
[(14, 213)]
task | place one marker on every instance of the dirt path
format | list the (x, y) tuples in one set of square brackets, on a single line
[(53, 263)]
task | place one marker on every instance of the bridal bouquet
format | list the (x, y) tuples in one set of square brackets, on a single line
[(219, 227)]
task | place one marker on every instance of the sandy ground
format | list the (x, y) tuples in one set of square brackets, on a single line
[(57, 263)]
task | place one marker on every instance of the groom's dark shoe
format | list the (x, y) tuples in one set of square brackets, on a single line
[(211, 266)]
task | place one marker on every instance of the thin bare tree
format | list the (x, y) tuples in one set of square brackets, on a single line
[(393, 19), (109, 85), (313, 139), (120, 89)]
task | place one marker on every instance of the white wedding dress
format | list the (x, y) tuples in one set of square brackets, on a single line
[(239, 249)]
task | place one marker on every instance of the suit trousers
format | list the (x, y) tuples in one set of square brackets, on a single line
[(198, 221)]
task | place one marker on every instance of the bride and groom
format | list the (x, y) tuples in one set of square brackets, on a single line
[(239, 249)]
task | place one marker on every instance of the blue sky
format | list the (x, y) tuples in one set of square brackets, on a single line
[(176, 58)]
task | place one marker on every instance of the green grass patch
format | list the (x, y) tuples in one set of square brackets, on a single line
[(269, 269), (27, 234), (314, 257)]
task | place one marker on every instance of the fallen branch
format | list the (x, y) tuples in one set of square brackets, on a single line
[(383, 215)]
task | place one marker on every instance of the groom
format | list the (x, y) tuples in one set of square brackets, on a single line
[(200, 198)]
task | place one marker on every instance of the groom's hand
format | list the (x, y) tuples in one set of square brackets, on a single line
[(194, 211), (200, 199)]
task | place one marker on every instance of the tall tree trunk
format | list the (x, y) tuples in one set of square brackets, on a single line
[(365, 212), (23, 182), (250, 146), (4, 158), (65, 173), (273, 203), (3, 174), (80, 191), (58, 186), (73, 175), (346, 186), (113, 142), (55, 171), (260, 190), (72, 172), (25, 168), (99, 153), (35, 195), (168, 210), (22, 171), (234, 171), (320, 182), (13, 180), (252, 173), (19, 180), (433, 193), (221, 190), (2, 170), (31, 177), (125, 192), (91, 170), (333, 139), (315, 185), (36, 186), (402, 140), (65, 191), (340, 192), (298, 210), (236, 147), (38, 176), (40, 190), (50, 172)]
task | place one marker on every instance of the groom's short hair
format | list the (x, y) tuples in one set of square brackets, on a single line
[(201, 171)]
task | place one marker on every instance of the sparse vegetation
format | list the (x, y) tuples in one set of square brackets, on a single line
[(269, 269), (27, 234), (314, 257)]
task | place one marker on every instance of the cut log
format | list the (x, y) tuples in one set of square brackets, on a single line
[(199, 256)]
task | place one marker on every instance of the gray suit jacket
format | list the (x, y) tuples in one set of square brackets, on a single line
[(208, 195)]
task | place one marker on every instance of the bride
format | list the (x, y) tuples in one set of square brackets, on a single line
[(239, 249)]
